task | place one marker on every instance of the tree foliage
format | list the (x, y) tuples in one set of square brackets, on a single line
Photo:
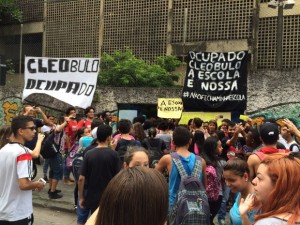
[(123, 69), (10, 8)]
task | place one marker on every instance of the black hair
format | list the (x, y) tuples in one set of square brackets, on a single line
[(95, 123), (124, 126), (152, 132), (103, 114), (220, 134), (209, 150), (147, 124), (190, 122), (69, 109), (86, 111), (163, 125), (181, 136), (231, 124), (226, 121), (140, 119), (20, 122), (103, 132), (255, 136), (198, 122)]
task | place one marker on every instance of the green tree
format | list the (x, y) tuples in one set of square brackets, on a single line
[(123, 69), (10, 8)]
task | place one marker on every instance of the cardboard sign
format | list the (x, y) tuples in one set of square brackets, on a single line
[(169, 108)]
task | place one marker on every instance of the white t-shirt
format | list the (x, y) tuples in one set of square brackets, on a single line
[(295, 148), (15, 163)]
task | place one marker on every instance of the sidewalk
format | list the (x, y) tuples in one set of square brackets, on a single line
[(66, 203)]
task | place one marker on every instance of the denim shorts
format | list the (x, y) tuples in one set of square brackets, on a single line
[(56, 167)]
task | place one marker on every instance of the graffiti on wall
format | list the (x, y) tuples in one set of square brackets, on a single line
[(12, 106)]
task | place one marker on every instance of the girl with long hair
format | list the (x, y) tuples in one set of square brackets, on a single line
[(276, 191)]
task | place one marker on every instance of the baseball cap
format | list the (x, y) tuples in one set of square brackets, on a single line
[(269, 133)]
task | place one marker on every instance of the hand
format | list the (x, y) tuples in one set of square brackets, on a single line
[(239, 128), (37, 109), (246, 204), (291, 126), (40, 137), (81, 201), (39, 186)]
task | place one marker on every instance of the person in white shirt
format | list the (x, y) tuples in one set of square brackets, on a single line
[(15, 170)]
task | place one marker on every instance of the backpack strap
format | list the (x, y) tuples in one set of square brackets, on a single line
[(180, 167), (197, 167)]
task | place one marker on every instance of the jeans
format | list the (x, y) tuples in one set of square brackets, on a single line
[(45, 166), (222, 211)]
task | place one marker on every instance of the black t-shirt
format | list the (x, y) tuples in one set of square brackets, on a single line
[(99, 166), (240, 142)]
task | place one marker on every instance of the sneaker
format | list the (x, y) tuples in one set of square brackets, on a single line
[(75, 207), (54, 195), (56, 191)]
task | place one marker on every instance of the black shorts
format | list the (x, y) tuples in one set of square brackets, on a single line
[(26, 221)]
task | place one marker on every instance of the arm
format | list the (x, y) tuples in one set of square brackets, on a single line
[(25, 184), (164, 163), (244, 207), (62, 126), (292, 128), (45, 119), (253, 163), (81, 182), (232, 141), (36, 151)]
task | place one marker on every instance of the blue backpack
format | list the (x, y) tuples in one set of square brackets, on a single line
[(191, 203)]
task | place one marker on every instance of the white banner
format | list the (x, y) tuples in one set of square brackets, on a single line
[(71, 80)]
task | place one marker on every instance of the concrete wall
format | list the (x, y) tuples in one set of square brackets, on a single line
[(272, 94)]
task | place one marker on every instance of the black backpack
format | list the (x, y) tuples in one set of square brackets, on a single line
[(294, 145), (123, 145), (49, 148), (155, 151)]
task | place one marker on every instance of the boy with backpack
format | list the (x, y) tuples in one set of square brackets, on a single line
[(185, 167)]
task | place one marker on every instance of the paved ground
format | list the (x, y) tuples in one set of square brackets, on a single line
[(47, 216)]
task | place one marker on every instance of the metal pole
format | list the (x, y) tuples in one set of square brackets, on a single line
[(21, 47), (279, 35), (184, 31)]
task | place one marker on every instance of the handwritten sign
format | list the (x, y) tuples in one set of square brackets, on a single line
[(170, 108)]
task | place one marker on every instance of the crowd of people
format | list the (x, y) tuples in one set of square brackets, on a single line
[(139, 173)]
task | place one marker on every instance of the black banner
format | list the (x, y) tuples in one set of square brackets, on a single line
[(215, 81)]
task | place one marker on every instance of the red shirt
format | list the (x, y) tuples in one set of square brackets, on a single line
[(71, 130), (85, 123)]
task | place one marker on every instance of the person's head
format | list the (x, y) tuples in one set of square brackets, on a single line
[(152, 132), (212, 147), (163, 125), (71, 111), (95, 123), (236, 174), (205, 125), (212, 126), (285, 133), (89, 112), (224, 125), (138, 131), (51, 118), (252, 138), (124, 126), (277, 185), (5, 135), (231, 127), (140, 119), (136, 156), (28, 109), (106, 116), (147, 124), (190, 124), (182, 136), (23, 127), (135, 196), (103, 133), (197, 123), (81, 132), (269, 133)]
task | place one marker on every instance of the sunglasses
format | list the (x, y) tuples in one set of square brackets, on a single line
[(31, 128)]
